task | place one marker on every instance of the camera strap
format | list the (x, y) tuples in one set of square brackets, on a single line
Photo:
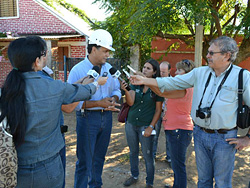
[(219, 88)]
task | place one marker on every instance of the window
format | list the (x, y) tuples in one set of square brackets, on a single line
[(8, 8)]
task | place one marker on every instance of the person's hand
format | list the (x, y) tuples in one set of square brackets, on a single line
[(106, 102), (124, 85), (112, 107), (102, 80), (85, 80), (240, 142), (148, 131), (136, 80)]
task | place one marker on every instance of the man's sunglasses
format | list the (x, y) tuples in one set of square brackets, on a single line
[(212, 53)]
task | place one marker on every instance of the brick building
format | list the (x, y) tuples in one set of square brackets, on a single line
[(65, 33)]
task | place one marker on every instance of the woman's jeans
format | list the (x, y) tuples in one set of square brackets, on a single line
[(179, 141), (214, 158), (47, 173), (158, 126), (134, 136)]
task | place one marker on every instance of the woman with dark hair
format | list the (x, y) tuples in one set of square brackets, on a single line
[(32, 108), (144, 112)]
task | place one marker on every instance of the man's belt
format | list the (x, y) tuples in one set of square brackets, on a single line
[(64, 129), (221, 131), (98, 110)]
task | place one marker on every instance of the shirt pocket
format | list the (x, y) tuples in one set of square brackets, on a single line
[(228, 94)]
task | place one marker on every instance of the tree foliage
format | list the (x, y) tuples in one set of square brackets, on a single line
[(138, 21)]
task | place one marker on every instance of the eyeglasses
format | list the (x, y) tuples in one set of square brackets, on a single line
[(186, 61), (212, 53)]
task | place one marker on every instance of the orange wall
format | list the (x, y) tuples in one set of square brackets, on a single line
[(160, 46)]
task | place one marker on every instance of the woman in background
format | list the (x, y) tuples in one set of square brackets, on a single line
[(178, 126), (145, 110)]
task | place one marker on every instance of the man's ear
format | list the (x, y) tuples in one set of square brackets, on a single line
[(228, 56)]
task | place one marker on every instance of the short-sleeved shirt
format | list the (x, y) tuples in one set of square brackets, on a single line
[(109, 89), (143, 109)]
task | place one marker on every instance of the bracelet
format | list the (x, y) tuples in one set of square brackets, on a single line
[(151, 126)]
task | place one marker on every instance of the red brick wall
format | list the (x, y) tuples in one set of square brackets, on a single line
[(5, 67), (183, 52), (34, 19), (76, 51)]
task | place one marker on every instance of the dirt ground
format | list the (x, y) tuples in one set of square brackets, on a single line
[(117, 168)]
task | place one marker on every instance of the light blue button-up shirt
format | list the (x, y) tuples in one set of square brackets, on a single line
[(224, 109), (109, 89)]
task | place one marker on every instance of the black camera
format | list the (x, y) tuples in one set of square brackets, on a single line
[(203, 113)]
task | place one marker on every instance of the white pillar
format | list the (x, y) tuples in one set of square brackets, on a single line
[(198, 45), (135, 57), (49, 55)]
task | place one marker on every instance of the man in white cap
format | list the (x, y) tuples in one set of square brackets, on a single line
[(94, 117)]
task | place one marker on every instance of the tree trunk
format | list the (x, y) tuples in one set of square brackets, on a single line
[(244, 51)]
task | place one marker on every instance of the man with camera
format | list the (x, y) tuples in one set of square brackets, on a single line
[(214, 109)]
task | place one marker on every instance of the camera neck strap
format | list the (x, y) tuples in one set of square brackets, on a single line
[(219, 88)]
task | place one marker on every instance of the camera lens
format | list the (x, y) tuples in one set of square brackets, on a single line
[(202, 115)]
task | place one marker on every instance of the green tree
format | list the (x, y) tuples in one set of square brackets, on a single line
[(177, 19), (138, 21)]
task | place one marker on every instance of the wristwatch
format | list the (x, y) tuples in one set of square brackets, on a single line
[(248, 135)]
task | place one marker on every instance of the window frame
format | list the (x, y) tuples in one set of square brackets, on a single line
[(13, 17)]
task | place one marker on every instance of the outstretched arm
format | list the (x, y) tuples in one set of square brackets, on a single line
[(175, 94), (139, 80)]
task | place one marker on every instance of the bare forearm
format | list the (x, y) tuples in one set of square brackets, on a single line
[(157, 113), (68, 108), (150, 82), (90, 104), (174, 94), (156, 90), (130, 97)]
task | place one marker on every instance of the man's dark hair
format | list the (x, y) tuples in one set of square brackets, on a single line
[(90, 46)]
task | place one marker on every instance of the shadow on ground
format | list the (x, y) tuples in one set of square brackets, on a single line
[(117, 168)]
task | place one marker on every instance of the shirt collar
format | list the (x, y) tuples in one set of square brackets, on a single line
[(88, 63), (213, 72), (31, 74)]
